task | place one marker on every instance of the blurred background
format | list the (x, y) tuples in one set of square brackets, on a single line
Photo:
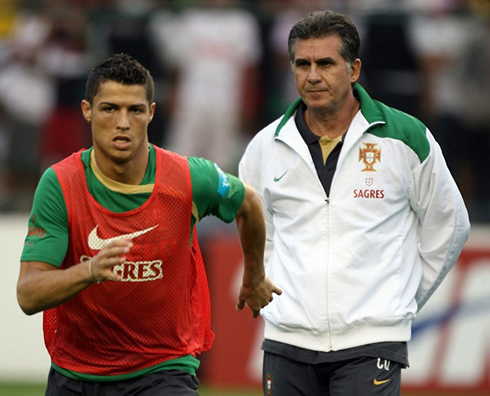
[(222, 73)]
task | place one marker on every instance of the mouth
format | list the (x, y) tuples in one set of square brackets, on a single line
[(316, 94), (121, 138), (121, 142)]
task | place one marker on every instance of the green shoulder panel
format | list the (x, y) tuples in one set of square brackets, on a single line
[(386, 122), (396, 124)]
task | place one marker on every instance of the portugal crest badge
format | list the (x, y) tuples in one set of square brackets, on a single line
[(369, 155)]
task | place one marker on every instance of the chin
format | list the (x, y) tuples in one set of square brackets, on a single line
[(121, 157), (318, 105)]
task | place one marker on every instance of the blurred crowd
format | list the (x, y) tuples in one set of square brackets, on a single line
[(222, 72)]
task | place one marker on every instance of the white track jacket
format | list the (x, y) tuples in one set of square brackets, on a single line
[(354, 267)]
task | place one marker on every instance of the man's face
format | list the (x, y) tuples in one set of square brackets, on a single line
[(119, 115), (322, 75)]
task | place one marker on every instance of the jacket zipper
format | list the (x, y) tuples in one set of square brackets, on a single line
[(329, 327)]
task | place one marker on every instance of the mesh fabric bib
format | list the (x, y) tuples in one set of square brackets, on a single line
[(161, 309)]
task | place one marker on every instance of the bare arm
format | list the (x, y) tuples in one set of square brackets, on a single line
[(42, 286), (256, 290)]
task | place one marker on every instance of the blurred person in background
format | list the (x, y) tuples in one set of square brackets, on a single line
[(442, 35), (27, 97), (112, 255), (474, 143), (363, 220), (391, 67), (66, 59), (126, 27), (215, 50)]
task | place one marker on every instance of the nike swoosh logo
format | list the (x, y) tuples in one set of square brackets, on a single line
[(376, 382), (97, 243), (276, 179)]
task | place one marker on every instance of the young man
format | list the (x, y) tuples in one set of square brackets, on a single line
[(114, 261), (363, 222)]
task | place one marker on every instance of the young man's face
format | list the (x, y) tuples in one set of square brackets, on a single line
[(322, 75), (119, 115)]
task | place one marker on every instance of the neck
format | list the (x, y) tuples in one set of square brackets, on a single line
[(332, 124), (129, 172)]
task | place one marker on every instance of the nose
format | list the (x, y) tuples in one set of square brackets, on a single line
[(123, 120), (313, 75)]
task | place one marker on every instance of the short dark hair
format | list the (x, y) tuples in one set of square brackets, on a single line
[(319, 24), (123, 69)]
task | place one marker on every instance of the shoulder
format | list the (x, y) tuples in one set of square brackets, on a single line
[(72, 164), (257, 153), (208, 178), (265, 137), (405, 128), (204, 176), (48, 197), (169, 155), (214, 191), (201, 167), (49, 181), (391, 123)]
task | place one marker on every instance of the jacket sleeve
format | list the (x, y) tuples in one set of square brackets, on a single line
[(443, 220)]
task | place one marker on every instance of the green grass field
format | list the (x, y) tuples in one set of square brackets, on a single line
[(12, 389), (7, 389)]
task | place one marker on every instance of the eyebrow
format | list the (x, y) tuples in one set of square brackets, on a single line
[(327, 59), (118, 105)]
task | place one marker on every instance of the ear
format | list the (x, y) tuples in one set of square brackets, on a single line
[(153, 106), (355, 71), (86, 110)]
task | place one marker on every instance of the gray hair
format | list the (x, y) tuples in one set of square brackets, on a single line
[(319, 24)]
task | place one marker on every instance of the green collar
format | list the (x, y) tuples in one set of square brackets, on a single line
[(369, 108)]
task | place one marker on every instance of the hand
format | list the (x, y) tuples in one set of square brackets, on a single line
[(113, 254), (257, 295)]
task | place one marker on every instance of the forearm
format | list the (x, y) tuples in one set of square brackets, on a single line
[(256, 290), (251, 230), (42, 286)]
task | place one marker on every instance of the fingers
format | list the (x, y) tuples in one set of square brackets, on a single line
[(113, 254), (273, 287), (240, 305), (258, 296)]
